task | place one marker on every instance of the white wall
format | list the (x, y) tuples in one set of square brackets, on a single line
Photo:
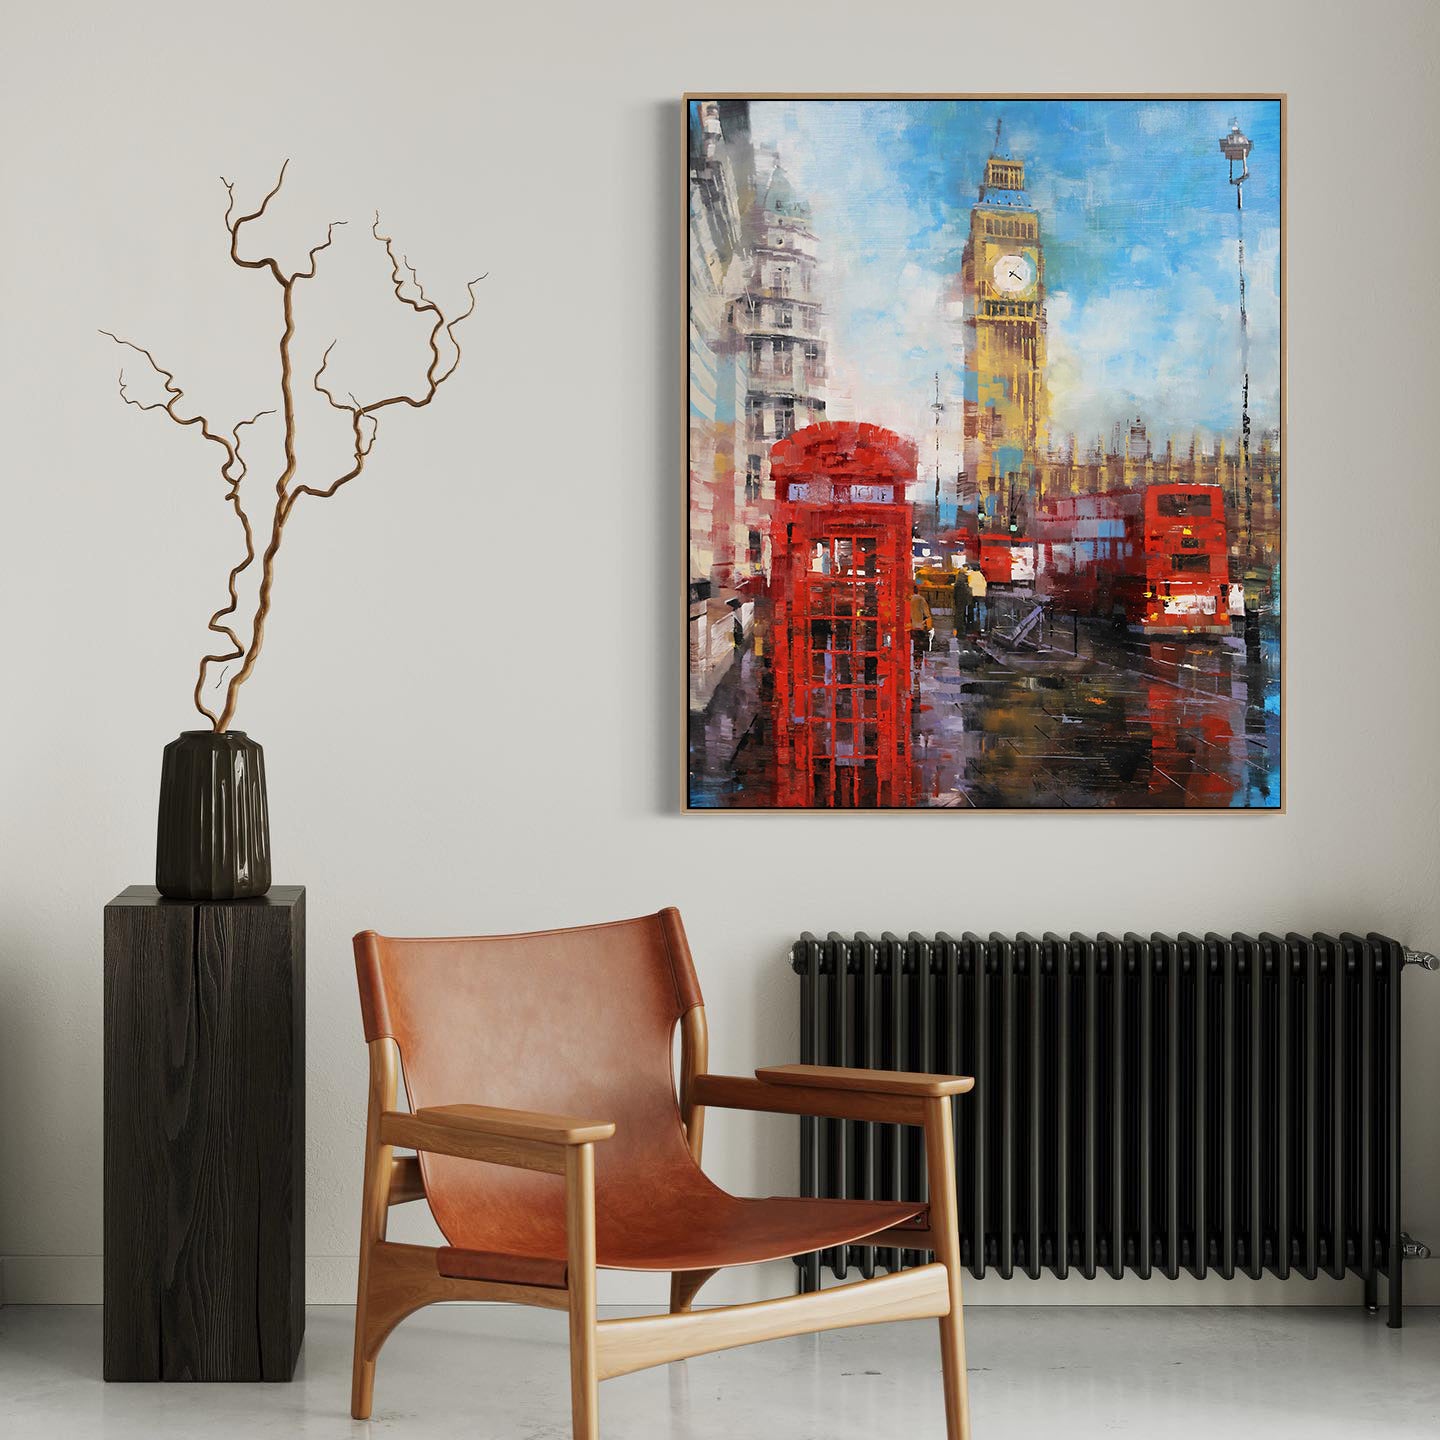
[(462, 736)]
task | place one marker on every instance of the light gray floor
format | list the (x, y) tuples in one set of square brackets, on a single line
[(487, 1371)]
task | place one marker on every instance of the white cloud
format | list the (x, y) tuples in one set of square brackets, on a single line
[(1177, 364)]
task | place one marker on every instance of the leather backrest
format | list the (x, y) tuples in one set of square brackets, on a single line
[(578, 1022)]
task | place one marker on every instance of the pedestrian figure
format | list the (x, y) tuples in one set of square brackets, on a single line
[(963, 602), (921, 624), (980, 609)]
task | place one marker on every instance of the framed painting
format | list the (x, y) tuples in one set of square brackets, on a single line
[(985, 425)]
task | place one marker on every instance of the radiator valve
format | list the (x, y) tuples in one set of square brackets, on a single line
[(1413, 1249), (1423, 958)]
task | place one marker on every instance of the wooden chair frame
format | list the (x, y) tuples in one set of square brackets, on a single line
[(395, 1280)]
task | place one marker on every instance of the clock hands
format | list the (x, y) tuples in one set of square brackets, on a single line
[(1013, 273)]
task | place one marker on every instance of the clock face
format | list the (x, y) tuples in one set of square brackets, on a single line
[(1014, 274)]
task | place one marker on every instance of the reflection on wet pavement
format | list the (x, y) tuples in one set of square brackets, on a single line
[(1122, 721), (1097, 717)]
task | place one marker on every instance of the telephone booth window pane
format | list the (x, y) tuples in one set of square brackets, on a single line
[(869, 786), (820, 783)]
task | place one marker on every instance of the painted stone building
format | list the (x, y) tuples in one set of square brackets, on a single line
[(757, 371), (719, 193), (1132, 459), (777, 323)]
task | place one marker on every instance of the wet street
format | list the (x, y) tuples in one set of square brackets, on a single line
[(1098, 717), (1095, 717)]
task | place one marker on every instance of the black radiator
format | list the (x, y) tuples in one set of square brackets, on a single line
[(1226, 1105)]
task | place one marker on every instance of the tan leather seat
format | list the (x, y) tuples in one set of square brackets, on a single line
[(577, 1022)]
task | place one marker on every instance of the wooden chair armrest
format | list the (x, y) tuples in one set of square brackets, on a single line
[(869, 1082), (739, 1092), (524, 1138), (518, 1124)]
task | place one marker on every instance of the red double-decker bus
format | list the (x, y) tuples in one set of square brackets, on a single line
[(1006, 560), (1155, 556)]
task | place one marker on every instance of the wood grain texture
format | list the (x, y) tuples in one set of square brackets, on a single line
[(694, 1060), (739, 1092), (406, 1182), (404, 1278), (628, 1345), (399, 1127), (204, 1137), (517, 1124), (580, 1267), (871, 1082), (945, 1224), (685, 1285), (374, 1215)]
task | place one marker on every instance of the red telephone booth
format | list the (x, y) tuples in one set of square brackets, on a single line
[(840, 583)]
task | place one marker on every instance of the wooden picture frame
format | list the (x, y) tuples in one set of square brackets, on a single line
[(779, 735)]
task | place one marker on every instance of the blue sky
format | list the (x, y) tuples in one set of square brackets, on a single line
[(1139, 229)]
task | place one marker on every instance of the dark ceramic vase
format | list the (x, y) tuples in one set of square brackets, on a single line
[(213, 841)]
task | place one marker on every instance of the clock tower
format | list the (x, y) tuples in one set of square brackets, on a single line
[(1002, 282)]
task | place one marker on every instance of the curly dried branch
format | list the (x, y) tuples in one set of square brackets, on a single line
[(323, 245), (232, 471), (414, 278), (434, 375), (175, 394), (266, 262), (364, 424), (237, 650), (363, 443)]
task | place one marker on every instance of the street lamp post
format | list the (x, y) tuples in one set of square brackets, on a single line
[(939, 410), (1236, 149)]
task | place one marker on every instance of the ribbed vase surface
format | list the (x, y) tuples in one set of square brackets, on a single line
[(213, 840)]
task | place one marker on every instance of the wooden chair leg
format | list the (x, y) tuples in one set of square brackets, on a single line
[(945, 1227), (362, 1388), (374, 1208), (580, 1255), (684, 1286)]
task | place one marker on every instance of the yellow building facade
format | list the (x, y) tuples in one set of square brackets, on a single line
[(1002, 281)]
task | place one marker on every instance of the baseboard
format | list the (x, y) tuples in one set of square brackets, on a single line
[(51, 1279), (330, 1280)]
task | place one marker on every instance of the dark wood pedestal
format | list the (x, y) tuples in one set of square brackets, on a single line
[(204, 1136)]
